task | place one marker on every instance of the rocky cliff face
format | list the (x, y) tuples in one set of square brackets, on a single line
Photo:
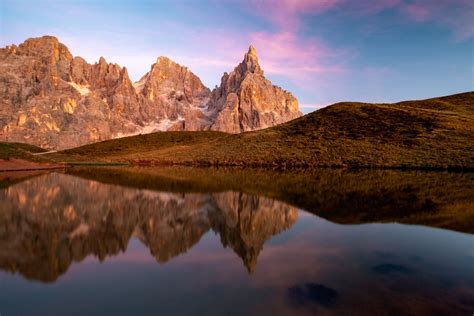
[(54, 100), (247, 101), (179, 95)]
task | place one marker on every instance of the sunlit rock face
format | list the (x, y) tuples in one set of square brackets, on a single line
[(51, 221), (176, 92), (54, 100), (247, 101)]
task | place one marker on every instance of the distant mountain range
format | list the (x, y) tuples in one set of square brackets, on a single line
[(54, 100)]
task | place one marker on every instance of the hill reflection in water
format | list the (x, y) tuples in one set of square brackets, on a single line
[(326, 242)]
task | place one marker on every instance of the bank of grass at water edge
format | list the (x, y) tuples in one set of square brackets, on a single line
[(21, 151)]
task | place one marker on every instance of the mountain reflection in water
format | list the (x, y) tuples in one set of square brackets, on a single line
[(98, 233), (50, 221)]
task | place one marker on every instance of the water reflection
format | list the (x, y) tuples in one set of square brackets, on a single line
[(436, 199), (236, 243), (48, 222)]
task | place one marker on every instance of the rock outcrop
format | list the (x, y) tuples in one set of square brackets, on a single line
[(54, 100), (247, 101), (179, 95)]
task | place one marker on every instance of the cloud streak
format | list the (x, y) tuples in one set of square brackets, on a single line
[(299, 59), (287, 14), (457, 15)]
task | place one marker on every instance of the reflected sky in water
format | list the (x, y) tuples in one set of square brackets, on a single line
[(74, 246)]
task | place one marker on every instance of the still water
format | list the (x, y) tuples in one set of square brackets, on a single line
[(166, 242)]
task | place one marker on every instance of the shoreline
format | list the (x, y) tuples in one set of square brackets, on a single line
[(14, 164)]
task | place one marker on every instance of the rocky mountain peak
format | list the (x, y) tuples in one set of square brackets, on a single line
[(165, 61), (252, 51), (247, 101), (45, 47), (102, 61), (250, 62), (124, 75), (55, 101), (172, 79)]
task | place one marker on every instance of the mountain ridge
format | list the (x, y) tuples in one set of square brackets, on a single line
[(54, 100)]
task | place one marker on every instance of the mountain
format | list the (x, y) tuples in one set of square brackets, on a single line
[(246, 101), (434, 133), (54, 100), (179, 95)]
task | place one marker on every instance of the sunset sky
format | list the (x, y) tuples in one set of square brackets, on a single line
[(323, 51)]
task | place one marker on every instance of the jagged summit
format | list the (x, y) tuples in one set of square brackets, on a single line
[(250, 62), (252, 51), (45, 46), (247, 101), (56, 101), (164, 59)]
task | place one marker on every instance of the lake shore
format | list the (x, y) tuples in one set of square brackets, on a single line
[(15, 164)]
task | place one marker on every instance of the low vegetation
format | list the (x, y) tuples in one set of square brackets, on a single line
[(433, 134), (21, 151)]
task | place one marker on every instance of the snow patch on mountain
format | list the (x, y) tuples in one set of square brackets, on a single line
[(82, 89), (156, 126)]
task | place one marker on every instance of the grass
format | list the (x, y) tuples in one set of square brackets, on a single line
[(21, 151), (436, 133)]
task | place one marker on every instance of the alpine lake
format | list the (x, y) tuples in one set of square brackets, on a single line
[(216, 241)]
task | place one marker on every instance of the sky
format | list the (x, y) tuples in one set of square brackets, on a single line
[(323, 51)]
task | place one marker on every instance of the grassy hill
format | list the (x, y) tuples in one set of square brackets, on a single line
[(20, 151), (432, 133)]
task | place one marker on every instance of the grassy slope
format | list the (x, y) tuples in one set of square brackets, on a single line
[(437, 199), (20, 151), (433, 133)]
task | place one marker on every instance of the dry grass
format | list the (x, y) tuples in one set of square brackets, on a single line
[(435, 133), (21, 151)]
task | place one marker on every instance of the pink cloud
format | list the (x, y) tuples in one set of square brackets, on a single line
[(417, 12), (369, 7), (286, 14), (457, 15), (287, 54)]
